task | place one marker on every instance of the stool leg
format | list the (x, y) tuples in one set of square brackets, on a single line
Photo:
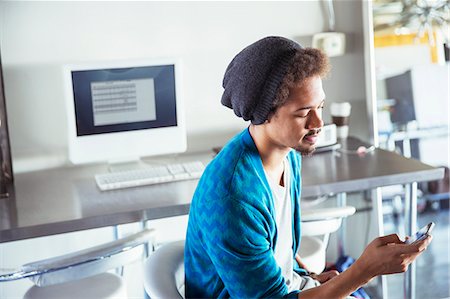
[(116, 232), (411, 226), (342, 202), (147, 251)]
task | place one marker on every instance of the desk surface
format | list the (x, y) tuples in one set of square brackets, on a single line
[(67, 199)]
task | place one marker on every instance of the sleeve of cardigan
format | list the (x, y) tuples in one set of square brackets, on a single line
[(237, 241)]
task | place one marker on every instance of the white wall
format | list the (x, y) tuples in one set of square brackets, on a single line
[(37, 38)]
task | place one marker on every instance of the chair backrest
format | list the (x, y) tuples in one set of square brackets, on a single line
[(164, 271), (83, 263), (324, 220)]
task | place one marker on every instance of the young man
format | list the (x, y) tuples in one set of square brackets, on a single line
[(244, 222)]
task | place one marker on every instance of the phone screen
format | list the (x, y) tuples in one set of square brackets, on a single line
[(421, 233)]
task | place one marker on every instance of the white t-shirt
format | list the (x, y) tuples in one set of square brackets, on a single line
[(283, 212), (283, 251)]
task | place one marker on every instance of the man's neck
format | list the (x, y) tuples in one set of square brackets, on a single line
[(272, 154)]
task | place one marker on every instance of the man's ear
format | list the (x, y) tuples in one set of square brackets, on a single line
[(269, 117)]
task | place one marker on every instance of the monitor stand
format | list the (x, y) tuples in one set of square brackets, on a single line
[(139, 163), (126, 165)]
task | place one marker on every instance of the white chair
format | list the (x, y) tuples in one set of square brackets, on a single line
[(164, 272), (82, 274), (164, 269), (319, 222)]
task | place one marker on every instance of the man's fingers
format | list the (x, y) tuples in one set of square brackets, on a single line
[(417, 246), (325, 276), (423, 244), (393, 238), (331, 274)]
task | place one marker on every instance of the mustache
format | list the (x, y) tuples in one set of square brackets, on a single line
[(314, 132)]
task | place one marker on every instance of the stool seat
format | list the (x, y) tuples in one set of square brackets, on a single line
[(101, 286), (164, 272)]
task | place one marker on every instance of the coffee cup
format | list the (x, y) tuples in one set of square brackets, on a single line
[(340, 115)]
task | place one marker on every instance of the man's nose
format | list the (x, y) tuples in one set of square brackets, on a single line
[(315, 121)]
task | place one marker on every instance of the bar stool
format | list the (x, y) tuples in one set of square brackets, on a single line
[(317, 225), (101, 286), (83, 274)]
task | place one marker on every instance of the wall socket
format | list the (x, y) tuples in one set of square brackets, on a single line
[(332, 43)]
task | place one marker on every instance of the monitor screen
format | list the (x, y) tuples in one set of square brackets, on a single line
[(134, 107), (400, 89)]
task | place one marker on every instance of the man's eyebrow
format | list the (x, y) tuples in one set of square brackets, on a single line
[(310, 107)]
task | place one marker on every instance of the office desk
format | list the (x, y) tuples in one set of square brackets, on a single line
[(67, 199)]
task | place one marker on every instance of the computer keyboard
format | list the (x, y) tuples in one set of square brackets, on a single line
[(156, 174)]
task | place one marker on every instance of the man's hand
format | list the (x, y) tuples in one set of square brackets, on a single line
[(324, 276), (388, 255)]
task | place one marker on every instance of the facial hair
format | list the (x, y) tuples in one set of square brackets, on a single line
[(305, 152), (308, 151)]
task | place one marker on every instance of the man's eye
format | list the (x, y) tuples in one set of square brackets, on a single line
[(303, 114)]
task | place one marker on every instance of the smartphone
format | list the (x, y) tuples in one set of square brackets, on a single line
[(421, 233)]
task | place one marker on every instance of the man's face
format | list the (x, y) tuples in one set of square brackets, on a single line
[(297, 123)]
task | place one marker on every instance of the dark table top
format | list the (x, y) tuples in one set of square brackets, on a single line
[(67, 199)]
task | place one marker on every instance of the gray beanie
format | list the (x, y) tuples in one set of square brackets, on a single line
[(253, 77)]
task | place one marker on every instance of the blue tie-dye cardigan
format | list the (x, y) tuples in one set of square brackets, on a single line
[(232, 231)]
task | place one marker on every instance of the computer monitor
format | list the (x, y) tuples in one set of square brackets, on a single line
[(400, 89), (124, 110), (421, 95)]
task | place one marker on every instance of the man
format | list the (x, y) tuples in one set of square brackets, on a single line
[(244, 222)]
